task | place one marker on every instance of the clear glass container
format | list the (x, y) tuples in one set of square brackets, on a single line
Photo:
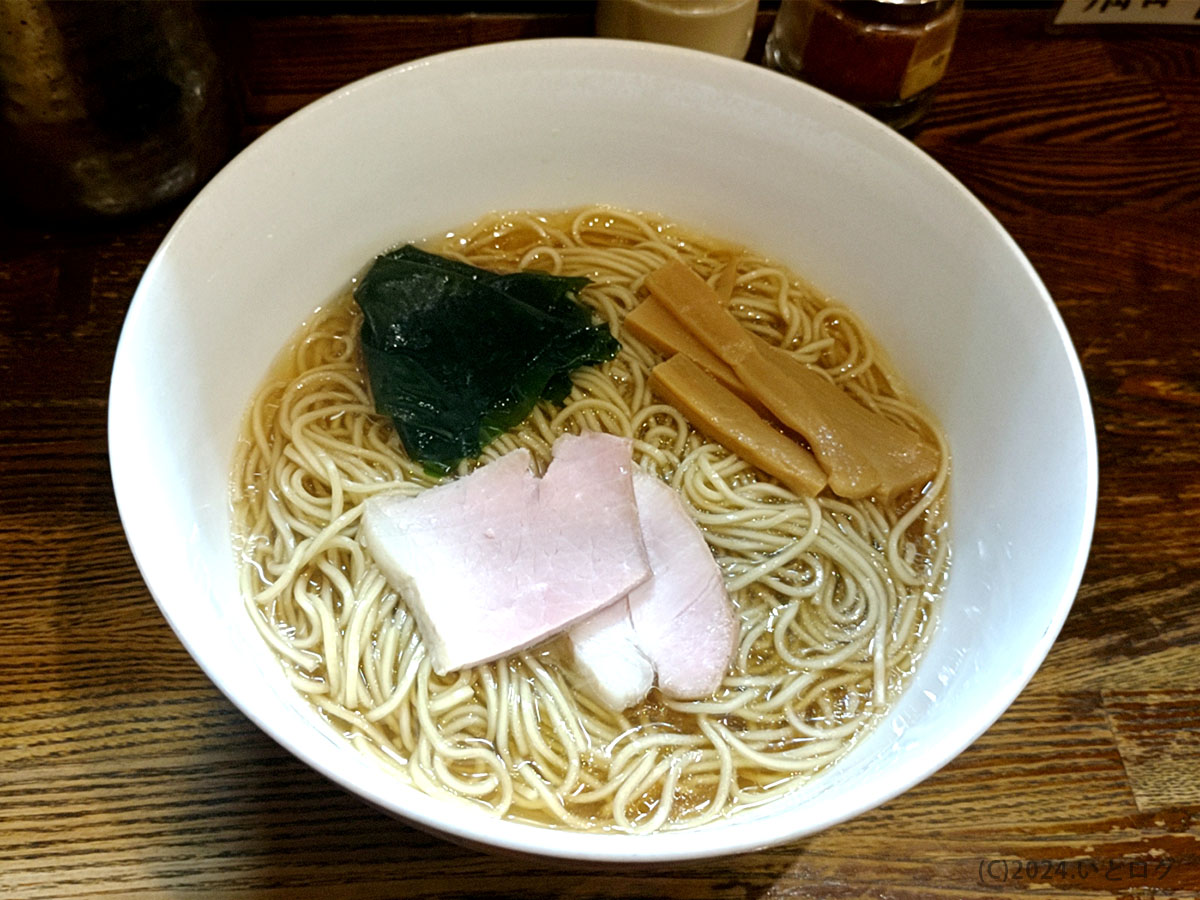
[(884, 56), (718, 26)]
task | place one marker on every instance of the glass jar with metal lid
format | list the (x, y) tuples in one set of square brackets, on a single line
[(884, 56)]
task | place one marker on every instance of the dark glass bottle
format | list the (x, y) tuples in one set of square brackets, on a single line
[(884, 56)]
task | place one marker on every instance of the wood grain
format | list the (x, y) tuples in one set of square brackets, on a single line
[(1158, 734), (124, 773)]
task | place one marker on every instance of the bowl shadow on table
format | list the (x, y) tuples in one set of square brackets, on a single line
[(306, 837)]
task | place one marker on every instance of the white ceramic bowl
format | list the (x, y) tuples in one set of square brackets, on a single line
[(721, 146)]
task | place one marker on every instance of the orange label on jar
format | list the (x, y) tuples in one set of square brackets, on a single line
[(928, 61)]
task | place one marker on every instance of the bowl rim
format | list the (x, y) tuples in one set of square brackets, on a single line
[(525, 838)]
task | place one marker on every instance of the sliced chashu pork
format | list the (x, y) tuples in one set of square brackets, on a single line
[(499, 560), (679, 622), (610, 658)]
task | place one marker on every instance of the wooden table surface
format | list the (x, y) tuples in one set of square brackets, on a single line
[(123, 771)]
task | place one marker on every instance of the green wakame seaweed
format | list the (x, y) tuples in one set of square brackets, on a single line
[(457, 355)]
